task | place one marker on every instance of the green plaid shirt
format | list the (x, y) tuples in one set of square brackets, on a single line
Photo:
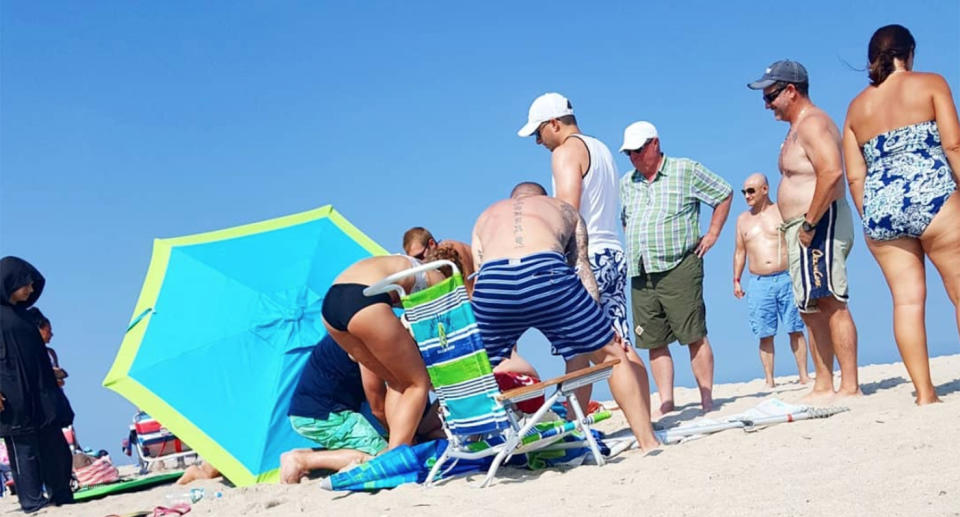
[(661, 218)]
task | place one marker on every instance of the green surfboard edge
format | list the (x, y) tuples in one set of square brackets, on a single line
[(124, 486)]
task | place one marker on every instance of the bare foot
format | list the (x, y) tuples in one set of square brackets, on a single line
[(350, 465), (650, 447), (706, 405), (924, 401), (189, 475), (291, 468), (805, 379), (842, 393), (664, 408), (771, 384), (818, 398)]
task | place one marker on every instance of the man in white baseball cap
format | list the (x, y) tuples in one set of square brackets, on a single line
[(637, 134), (661, 200), (585, 176), (546, 107)]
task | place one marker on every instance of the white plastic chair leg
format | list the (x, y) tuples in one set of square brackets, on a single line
[(436, 467)]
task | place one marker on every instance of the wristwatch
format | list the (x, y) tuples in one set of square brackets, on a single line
[(806, 226)]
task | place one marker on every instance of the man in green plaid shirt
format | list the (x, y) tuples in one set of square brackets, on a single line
[(661, 219)]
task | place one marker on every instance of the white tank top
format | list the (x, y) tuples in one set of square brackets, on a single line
[(599, 196)]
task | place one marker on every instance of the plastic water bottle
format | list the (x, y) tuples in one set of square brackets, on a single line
[(191, 496)]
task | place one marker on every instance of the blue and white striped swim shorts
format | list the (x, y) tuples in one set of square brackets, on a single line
[(537, 291)]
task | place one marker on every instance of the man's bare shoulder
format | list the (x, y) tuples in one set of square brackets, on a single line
[(495, 207), (773, 210), (571, 151), (743, 217), (817, 125), (454, 245)]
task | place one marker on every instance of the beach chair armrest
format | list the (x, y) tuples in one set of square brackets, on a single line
[(567, 382), (388, 283)]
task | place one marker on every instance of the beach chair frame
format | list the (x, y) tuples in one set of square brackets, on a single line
[(144, 457), (519, 434)]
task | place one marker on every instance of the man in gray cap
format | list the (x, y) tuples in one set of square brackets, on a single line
[(818, 228)]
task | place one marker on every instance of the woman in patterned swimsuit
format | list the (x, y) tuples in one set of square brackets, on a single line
[(901, 145)]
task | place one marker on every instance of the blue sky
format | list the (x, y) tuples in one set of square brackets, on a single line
[(122, 122)]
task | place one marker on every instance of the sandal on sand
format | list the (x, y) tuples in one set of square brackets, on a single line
[(177, 509)]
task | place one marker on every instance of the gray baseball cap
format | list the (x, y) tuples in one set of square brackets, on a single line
[(786, 71)]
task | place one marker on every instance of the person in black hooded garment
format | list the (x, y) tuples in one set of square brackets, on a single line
[(32, 407)]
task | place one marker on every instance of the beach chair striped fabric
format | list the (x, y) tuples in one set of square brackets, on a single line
[(478, 419), (449, 341), (155, 443)]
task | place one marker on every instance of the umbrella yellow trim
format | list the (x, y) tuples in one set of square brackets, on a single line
[(202, 444), (252, 228), (366, 242), (117, 378), (148, 297), (161, 257)]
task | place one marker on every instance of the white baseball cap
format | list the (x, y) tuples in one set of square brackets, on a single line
[(545, 107), (637, 134)]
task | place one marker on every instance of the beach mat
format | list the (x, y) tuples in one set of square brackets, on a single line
[(129, 485)]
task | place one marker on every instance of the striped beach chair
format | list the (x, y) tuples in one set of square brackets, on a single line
[(154, 443), (478, 419)]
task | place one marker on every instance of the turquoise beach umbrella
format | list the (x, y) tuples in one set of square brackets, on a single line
[(222, 328)]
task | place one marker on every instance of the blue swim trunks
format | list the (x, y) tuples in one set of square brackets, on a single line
[(537, 291), (770, 298)]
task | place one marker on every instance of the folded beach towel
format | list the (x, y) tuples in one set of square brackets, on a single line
[(94, 471), (405, 464)]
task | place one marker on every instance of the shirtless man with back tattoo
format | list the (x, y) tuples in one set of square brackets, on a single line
[(526, 248)]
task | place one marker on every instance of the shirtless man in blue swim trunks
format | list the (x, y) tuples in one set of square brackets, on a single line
[(818, 226), (527, 247), (770, 293)]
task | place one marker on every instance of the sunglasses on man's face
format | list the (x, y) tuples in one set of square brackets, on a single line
[(628, 152), (539, 129), (772, 96), (748, 190)]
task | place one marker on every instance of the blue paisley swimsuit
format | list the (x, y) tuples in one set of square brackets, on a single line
[(908, 181)]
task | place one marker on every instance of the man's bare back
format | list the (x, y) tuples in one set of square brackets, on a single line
[(528, 224), (535, 223), (799, 177), (763, 240)]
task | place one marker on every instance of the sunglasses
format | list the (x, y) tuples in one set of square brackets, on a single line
[(638, 151), (540, 128), (748, 190), (772, 96)]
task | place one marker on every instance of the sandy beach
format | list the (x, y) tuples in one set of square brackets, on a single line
[(883, 457)]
